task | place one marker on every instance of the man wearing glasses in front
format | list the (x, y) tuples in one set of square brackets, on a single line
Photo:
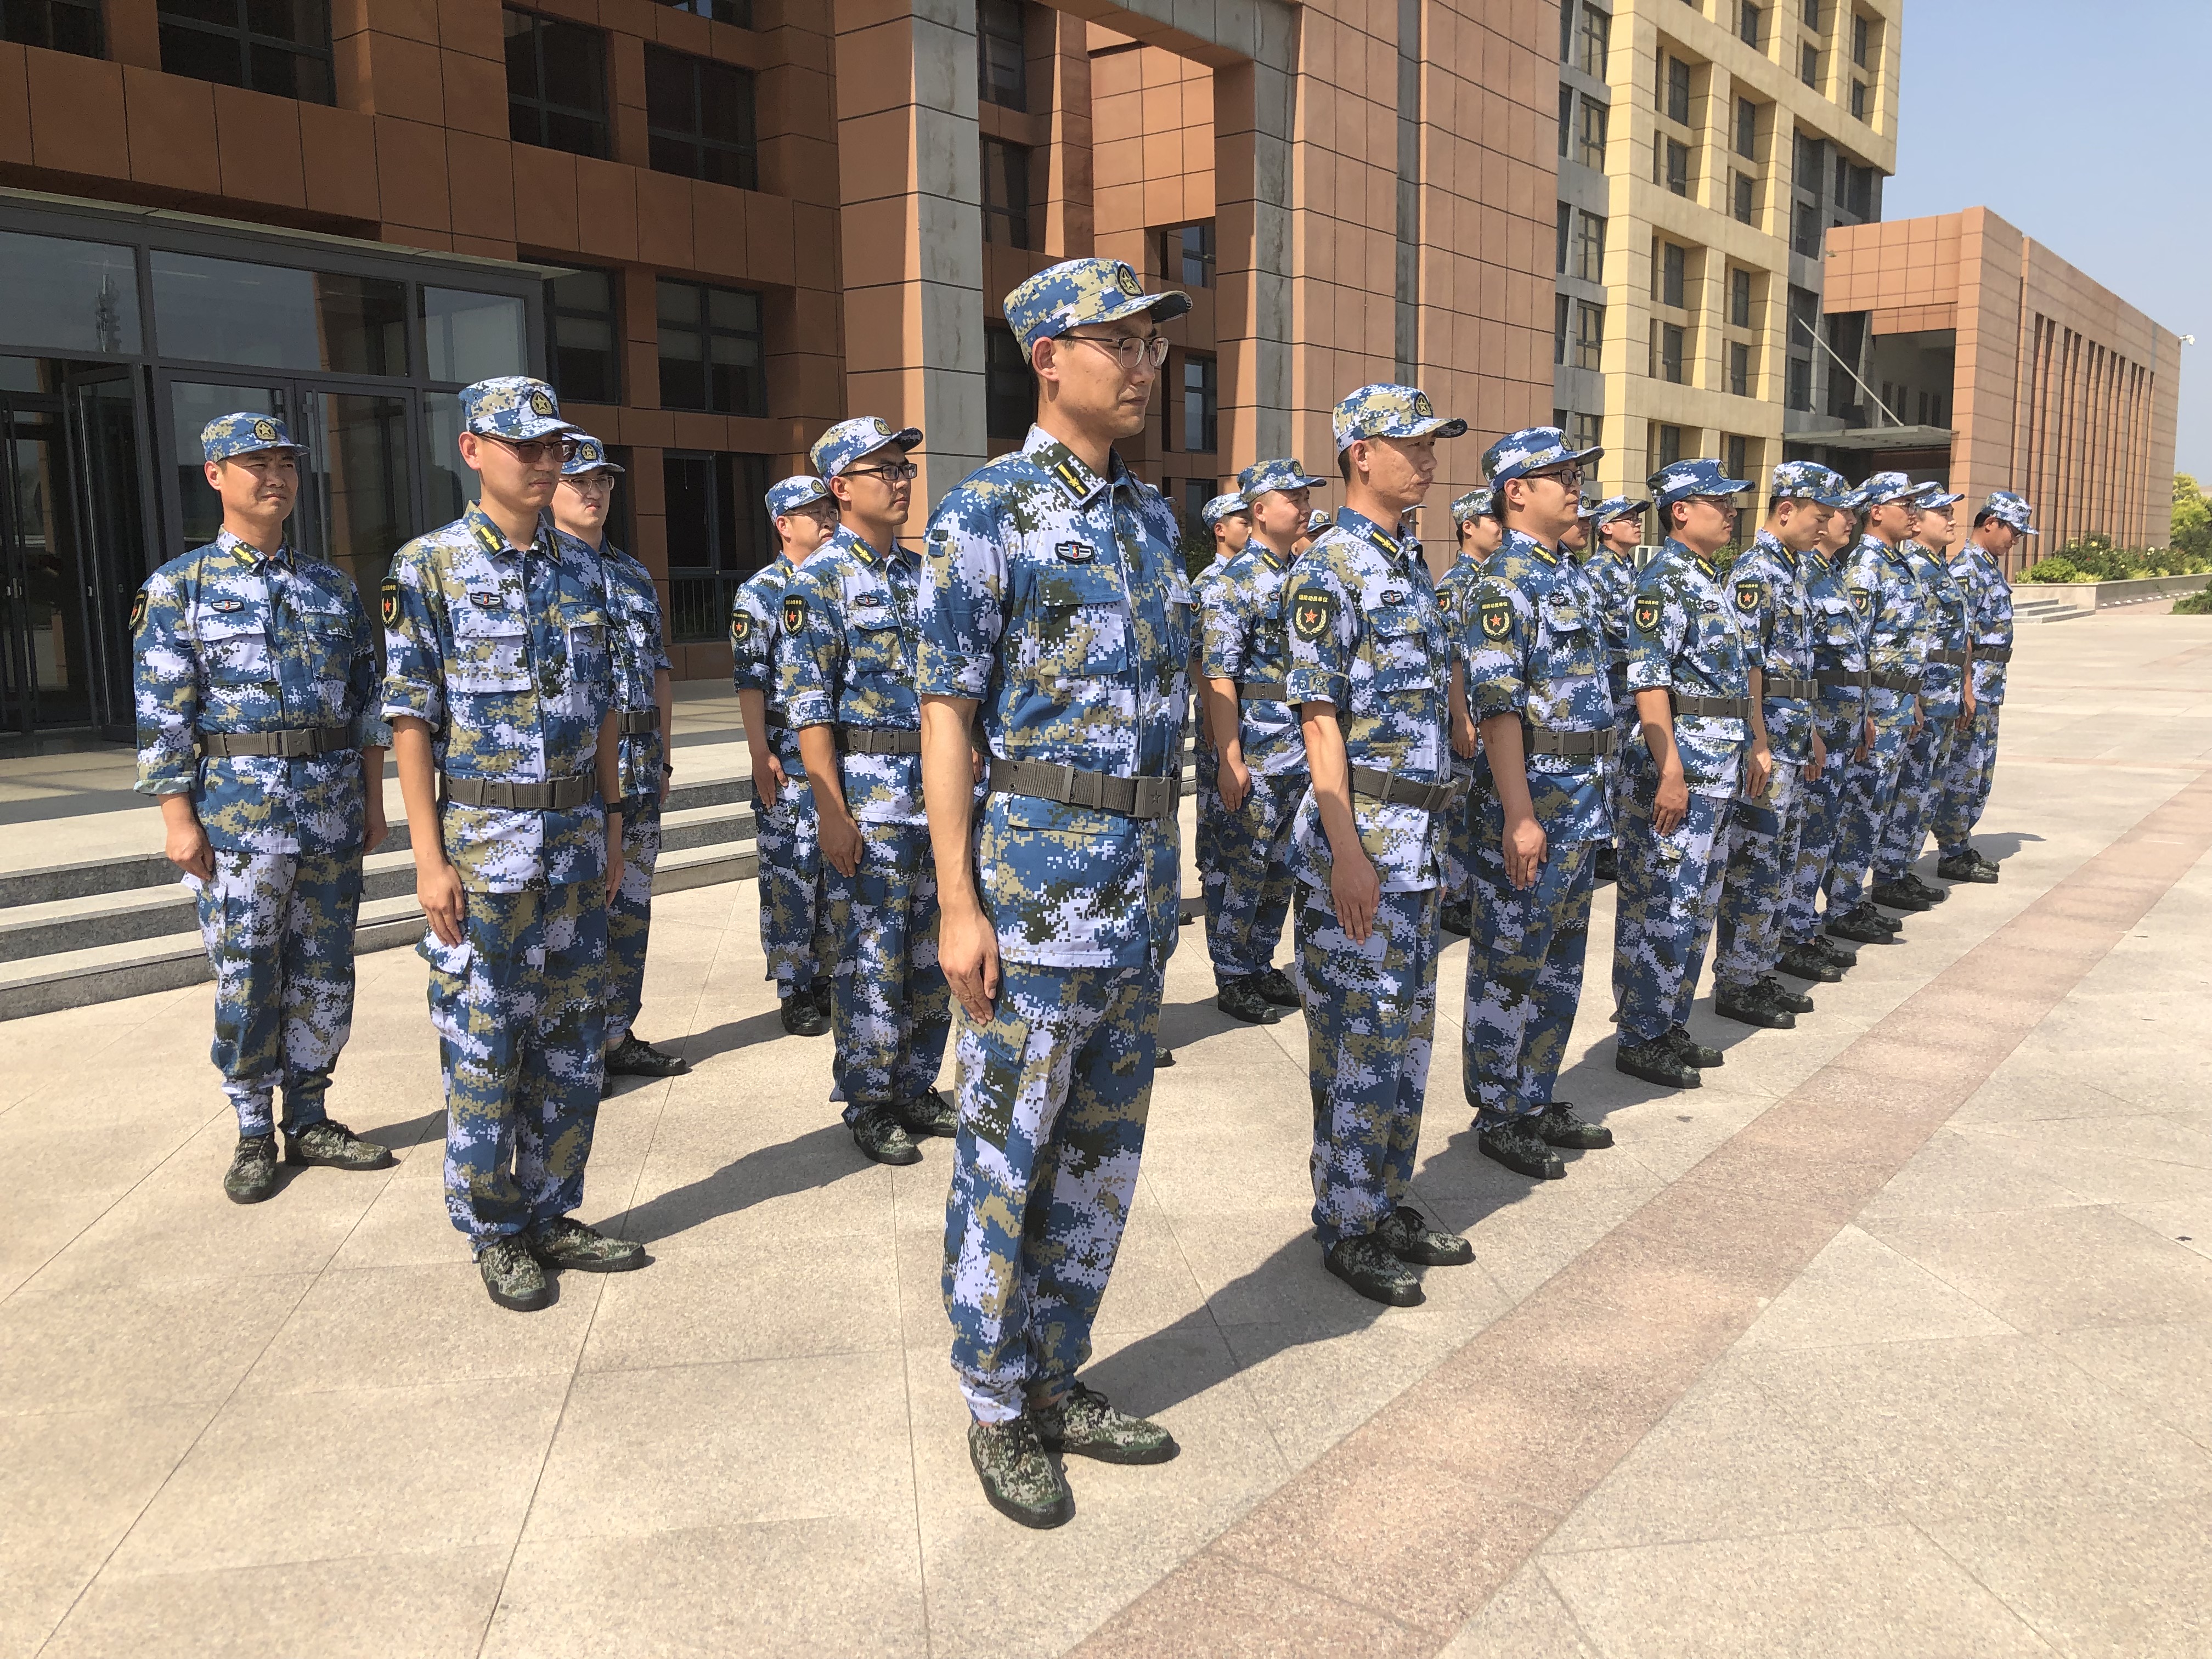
[(501, 697)]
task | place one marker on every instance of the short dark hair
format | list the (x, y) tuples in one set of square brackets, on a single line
[(1344, 462), (1983, 515), (1673, 523)]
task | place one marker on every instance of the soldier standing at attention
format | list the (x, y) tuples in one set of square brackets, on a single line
[(1534, 650), (847, 663), (1767, 586), (1697, 685), (1054, 597), (644, 697), (1978, 568), (1890, 603), (1370, 670), (1617, 528), (1475, 520), (802, 958), (1317, 522), (1228, 520), (502, 703), (1260, 775), (1946, 702), (255, 687)]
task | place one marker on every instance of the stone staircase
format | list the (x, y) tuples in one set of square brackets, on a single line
[(2048, 611)]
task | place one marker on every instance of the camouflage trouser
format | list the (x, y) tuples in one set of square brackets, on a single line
[(1205, 841), (1459, 840), (1827, 797), (1669, 887), (1967, 780), (278, 928), (1763, 840), (520, 1040), (1630, 724), (1371, 1015), (629, 918), (890, 1012), (1244, 911), (1053, 1092), (796, 935), (1869, 788), (1524, 977), (1927, 757)]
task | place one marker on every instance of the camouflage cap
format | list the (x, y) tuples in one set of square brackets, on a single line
[(2008, 508), (1684, 479), (1317, 521), (1934, 498), (1286, 472), (1475, 504), (1079, 291), (789, 494), (512, 406), (1805, 481), (590, 456), (1884, 487), (1530, 450), (1384, 411), (243, 434), (1223, 506), (847, 441), (1615, 507)]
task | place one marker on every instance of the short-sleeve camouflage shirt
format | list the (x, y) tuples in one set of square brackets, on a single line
[(756, 631), (848, 657), (1767, 587), (637, 656), (1684, 635), (1240, 612)]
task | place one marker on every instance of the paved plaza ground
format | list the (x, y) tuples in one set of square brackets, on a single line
[(1895, 1339)]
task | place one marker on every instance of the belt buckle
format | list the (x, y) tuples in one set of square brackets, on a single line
[(1147, 798)]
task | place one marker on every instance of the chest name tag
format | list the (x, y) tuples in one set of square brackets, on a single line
[(1076, 552)]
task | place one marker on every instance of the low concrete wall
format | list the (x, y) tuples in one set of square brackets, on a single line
[(2101, 596)]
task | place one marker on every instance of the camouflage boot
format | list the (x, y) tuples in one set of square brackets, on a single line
[(1365, 1263), (1406, 1233), (1557, 1126), (1018, 1479), (567, 1242), (877, 1133), (1274, 984), (514, 1279), (252, 1173), (1081, 1422), (331, 1144), (929, 1114)]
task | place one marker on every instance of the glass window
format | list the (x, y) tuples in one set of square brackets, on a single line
[(1582, 430), (557, 84), (1810, 11), (1744, 190), (1005, 193), (1202, 404), (1668, 342), (1596, 37), (1562, 315), (68, 297), (1589, 248), (1187, 255), (1009, 388), (1739, 456), (739, 12), (226, 311), (1565, 233), (1670, 445), (1808, 66), (278, 46), (1858, 100), (1678, 166), (1748, 25), (719, 533), (1566, 31), (1747, 129), (56, 25), (472, 336), (1800, 389), (1740, 298), (711, 355), (583, 317), (1002, 66), (1589, 336), (1591, 139), (450, 486), (1804, 318), (1678, 91), (1861, 40), (1566, 117), (1668, 272), (699, 119), (1738, 369), (362, 500), (1805, 230)]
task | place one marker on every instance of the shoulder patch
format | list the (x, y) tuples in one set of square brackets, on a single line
[(1496, 615), (1862, 601), (741, 626), (1313, 609), (794, 612), (390, 609), (1647, 614), (138, 611), (1747, 597)]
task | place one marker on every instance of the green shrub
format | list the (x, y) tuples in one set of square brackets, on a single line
[(2055, 569), (2094, 559), (2198, 604)]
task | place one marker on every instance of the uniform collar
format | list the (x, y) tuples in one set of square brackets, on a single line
[(1896, 555), (1772, 545), (252, 557), (1387, 541), (1275, 561), (492, 540), (868, 553), (1679, 550), (1062, 466), (1522, 542)]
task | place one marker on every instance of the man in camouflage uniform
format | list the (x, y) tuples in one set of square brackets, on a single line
[(1978, 568), (1370, 668), (847, 663), (1533, 646), (1616, 531), (801, 955), (254, 679), (1767, 586), (1317, 522), (1839, 719), (1054, 599), (1475, 517), (1228, 520), (1946, 702), (643, 698), (500, 697), (1890, 603), (1695, 681), (1261, 773)]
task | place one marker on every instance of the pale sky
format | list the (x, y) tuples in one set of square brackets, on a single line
[(2089, 126)]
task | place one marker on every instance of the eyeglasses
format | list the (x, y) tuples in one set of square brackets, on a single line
[(589, 484), (890, 471), (1569, 478), (1130, 350), (533, 451)]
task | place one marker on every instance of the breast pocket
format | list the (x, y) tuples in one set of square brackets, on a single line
[(591, 671), (1082, 625), (328, 639), (1401, 650), (235, 646), (1574, 641), (491, 650), (877, 642)]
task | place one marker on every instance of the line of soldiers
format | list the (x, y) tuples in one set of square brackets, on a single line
[(968, 762)]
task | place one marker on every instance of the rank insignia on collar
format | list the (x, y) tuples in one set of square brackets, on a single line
[(1747, 597), (794, 613), (1496, 617), (741, 627), (1076, 552), (1862, 601), (391, 601), (1647, 615), (1312, 611), (138, 611)]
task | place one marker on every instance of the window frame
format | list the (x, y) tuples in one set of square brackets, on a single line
[(737, 489), (1587, 255), (1674, 94), (1738, 369), (999, 343), (1563, 308), (1589, 336), (1677, 160), (599, 121), (1740, 297), (1594, 40), (708, 331), (696, 141), (1176, 255), (1019, 221), (1590, 153), (1808, 66), (1749, 17), (1208, 392), (248, 40), (556, 313), (87, 14)]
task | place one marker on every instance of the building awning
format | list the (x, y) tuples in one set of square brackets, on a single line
[(1886, 437)]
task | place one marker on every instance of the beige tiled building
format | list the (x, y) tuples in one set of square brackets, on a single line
[(1984, 358), (1706, 150)]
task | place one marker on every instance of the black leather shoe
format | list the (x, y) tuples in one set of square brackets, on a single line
[(1696, 1053), (1274, 984), (1656, 1062), (877, 1133), (1782, 997), (1371, 1269), (1241, 999), (1557, 1126), (1458, 920), (1407, 1235), (631, 1057), (1518, 1146), (1745, 1004), (929, 1114), (252, 1173), (802, 1017), (1860, 926), (1806, 962), (1606, 865), (1896, 895)]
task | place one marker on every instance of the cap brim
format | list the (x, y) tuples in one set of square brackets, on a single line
[(541, 426), (596, 466), (1733, 487), (1166, 306), (262, 449)]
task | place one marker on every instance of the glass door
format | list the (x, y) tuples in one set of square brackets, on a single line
[(107, 429), (45, 667)]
